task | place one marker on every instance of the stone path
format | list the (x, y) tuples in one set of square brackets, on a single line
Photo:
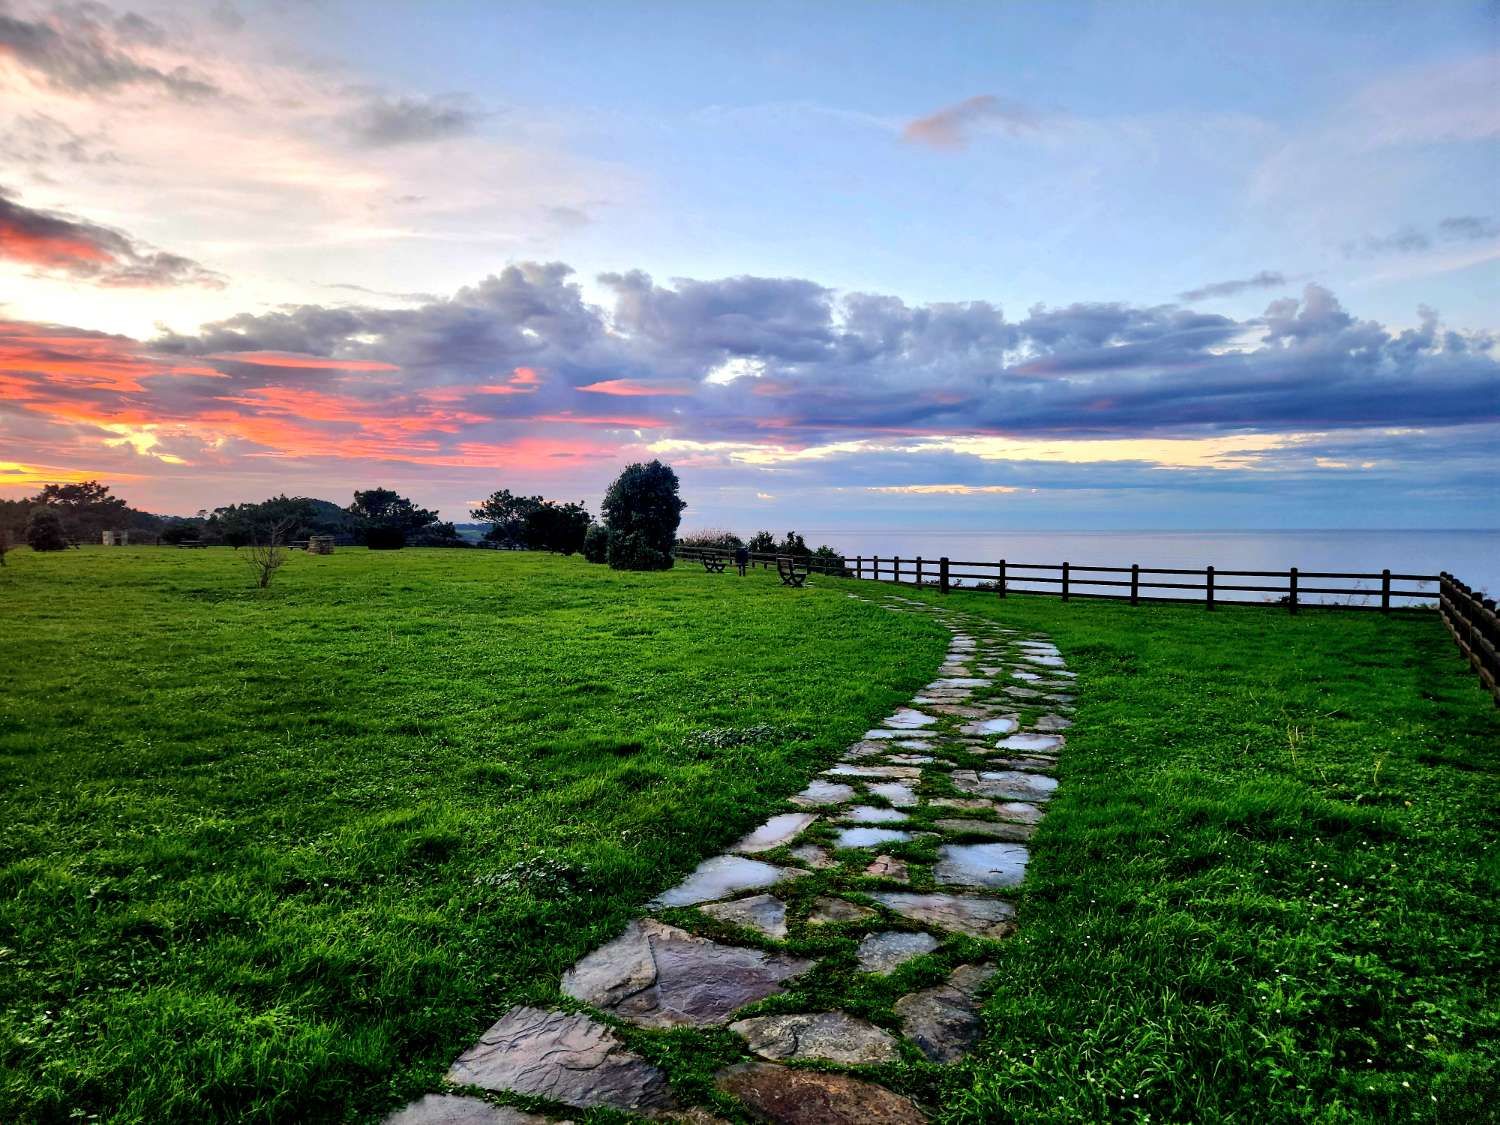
[(910, 839)]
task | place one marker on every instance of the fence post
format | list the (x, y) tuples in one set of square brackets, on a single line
[(1210, 588), (1002, 578), (896, 569), (1065, 582), (1135, 583), (1291, 601), (859, 566), (1385, 590), (919, 572), (875, 572), (943, 574)]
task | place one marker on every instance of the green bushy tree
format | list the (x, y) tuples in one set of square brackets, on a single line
[(642, 511), (384, 518), (596, 544), (762, 542), (44, 531)]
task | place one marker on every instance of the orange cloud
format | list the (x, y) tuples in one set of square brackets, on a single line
[(569, 418), (628, 388), (526, 377)]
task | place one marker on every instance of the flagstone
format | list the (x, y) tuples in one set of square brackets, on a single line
[(1003, 725), (965, 914), (659, 976), (826, 910), (911, 772), (779, 830), (815, 857), (898, 794), (880, 953), (1012, 785), (888, 867), (872, 814), (562, 1057), (822, 793), (451, 1109), (720, 877), (765, 913), (826, 1036), (944, 1022), (1031, 742), (907, 718), (986, 866), (869, 837), (785, 1096), (1052, 723)]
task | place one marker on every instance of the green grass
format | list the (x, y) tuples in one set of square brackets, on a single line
[(279, 855)]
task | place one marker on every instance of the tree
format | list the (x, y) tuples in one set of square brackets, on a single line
[(596, 544), (716, 538), (551, 526), (762, 543), (642, 511), (506, 515), (384, 518), (268, 551), (793, 545), (87, 507), (44, 531), (437, 535)]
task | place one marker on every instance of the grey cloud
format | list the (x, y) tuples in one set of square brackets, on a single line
[(87, 49), (1265, 279), (382, 121), (1411, 240), (58, 243), (1469, 228)]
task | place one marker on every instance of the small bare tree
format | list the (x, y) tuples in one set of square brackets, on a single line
[(268, 550)]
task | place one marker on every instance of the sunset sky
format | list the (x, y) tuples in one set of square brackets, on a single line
[(843, 265)]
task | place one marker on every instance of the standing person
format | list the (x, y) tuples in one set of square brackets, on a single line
[(742, 558)]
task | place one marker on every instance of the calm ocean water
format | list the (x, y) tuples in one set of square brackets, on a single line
[(1474, 556)]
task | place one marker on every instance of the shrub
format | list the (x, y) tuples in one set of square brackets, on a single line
[(715, 537), (762, 543), (44, 531), (642, 510), (634, 551), (596, 544), (385, 538)]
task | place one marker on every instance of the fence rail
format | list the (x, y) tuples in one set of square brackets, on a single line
[(1471, 619), (1134, 583)]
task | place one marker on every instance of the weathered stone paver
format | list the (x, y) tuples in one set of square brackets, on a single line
[(880, 953), (564, 1058), (974, 730), (656, 975), (765, 913), (826, 1036), (805, 1097)]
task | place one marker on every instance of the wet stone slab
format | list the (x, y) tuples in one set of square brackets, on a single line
[(785, 1096), (1010, 785), (720, 877), (815, 857), (819, 794), (776, 832), (764, 913), (658, 976), (880, 953), (986, 866), (1031, 742), (826, 1036), (1052, 723), (963, 914), (450, 1109), (902, 796), (563, 1058), (869, 837), (908, 772), (944, 1022), (870, 814), (908, 719)]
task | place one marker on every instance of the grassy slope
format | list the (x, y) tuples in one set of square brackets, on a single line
[(240, 830), (1268, 889), (1272, 859)]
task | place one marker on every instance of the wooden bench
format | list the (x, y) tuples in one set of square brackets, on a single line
[(786, 567), (714, 564)]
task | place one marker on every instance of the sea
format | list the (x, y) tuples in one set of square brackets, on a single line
[(1473, 556)]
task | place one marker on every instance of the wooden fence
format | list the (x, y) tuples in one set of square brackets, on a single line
[(1135, 584), (1472, 620)]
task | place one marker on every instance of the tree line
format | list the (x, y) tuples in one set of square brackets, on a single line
[(637, 530)]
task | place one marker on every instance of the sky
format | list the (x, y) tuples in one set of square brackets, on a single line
[(940, 265)]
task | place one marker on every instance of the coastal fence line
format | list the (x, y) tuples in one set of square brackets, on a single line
[(1475, 626), (1134, 583)]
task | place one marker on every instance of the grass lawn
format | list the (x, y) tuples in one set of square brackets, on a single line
[(279, 855)]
